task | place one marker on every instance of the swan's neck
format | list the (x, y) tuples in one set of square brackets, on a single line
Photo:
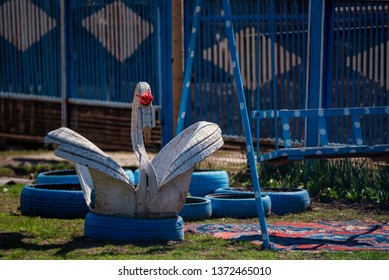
[(137, 131), (140, 117)]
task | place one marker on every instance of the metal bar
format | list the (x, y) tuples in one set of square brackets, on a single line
[(358, 140), (286, 132), (188, 68), (246, 123), (258, 77), (330, 112), (329, 63), (64, 95), (272, 50), (323, 131), (315, 69), (387, 79)]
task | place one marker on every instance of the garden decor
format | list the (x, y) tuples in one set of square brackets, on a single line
[(287, 200), (206, 182), (63, 201), (68, 176), (163, 182), (196, 208), (237, 205)]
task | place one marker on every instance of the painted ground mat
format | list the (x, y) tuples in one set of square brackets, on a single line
[(332, 236)]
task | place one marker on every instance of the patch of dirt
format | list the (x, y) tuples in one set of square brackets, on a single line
[(123, 158), (317, 205)]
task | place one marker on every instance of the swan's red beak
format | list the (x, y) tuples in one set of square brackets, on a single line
[(145, 98)]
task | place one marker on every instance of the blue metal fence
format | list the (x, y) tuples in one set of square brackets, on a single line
[(346, 108), (115, 45), (30, 47), (357, 72), (271, 38), (111, 45), (83, 52), (296, 55)]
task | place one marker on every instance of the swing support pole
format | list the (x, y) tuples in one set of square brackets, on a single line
[(241, 99), (246, 122), (189, 67)]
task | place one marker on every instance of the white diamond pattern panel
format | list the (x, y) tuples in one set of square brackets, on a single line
[(246, 43), (24, 23), (119, 29)]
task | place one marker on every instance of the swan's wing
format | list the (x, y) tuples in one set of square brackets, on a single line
[(186, 150), (72, 146)]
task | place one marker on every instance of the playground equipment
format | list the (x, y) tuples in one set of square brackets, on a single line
[(341, 107)]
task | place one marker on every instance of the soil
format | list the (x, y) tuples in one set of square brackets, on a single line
[(317, 205), (18, 160), (125, 159)]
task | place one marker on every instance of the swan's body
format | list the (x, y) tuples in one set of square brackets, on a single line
[(163, 182)]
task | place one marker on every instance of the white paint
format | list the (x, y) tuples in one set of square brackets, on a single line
[(113, 34), (163, 182), (246, 42), (26, 23)]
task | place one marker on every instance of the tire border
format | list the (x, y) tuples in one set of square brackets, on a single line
[(206, 182), (196, 208), (53, 202), (67, 176), (123, 229), (243, 206), (288, 200)]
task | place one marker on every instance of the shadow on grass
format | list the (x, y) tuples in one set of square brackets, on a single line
[(18, 240)]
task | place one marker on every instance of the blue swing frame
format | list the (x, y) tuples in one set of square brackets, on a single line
[(316, 116), (318, 141), (241, 99)]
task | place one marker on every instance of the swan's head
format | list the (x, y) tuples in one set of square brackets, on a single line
[(146, 111)]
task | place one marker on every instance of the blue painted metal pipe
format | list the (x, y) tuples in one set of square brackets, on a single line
[(188, 67), (246, 122)]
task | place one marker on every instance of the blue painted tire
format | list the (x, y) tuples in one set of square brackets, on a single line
[(240, 205), (233, 190), (196, 208), (68, 176), (206, 182), (53, 201), (287, 200), (114, 228)]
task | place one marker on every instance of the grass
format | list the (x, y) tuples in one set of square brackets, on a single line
[(27, 238)]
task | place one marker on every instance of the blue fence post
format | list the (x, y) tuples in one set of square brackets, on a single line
[(166, 70), (246, 122), (315, 67)]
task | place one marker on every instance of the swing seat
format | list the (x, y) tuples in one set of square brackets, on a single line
[(320, 118)]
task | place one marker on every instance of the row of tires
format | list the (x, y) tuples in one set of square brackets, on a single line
[(210, 197), (58, 194)]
